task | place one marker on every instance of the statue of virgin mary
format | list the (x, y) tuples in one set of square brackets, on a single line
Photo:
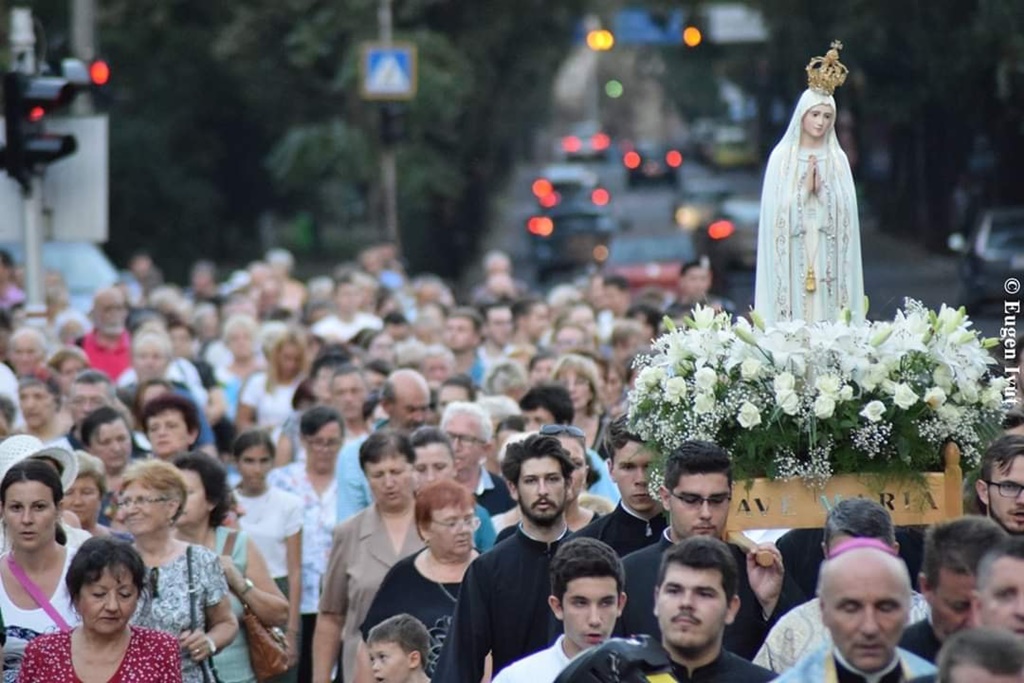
[(808, 250)]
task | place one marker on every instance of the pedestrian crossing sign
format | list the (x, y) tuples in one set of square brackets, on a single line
[(388, 72)]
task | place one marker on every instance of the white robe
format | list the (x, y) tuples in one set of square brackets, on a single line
[(800, 231)]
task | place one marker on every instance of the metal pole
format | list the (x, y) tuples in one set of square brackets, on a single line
[(23, 59), (83, 46), (388, 163)]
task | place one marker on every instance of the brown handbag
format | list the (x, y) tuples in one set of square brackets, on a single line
[(268, 647)]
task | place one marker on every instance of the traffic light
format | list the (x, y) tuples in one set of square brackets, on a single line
[(600, 40), (692, 36), (27, 101)]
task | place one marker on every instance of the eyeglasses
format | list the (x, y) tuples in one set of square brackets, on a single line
[(325, 444), (1007, 489), (694, 501), (140, 501), (558, 430), (464, 439), (471, 523)]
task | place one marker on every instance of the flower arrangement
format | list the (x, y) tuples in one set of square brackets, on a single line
[(821, 399)]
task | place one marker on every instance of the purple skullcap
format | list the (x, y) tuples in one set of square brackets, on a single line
[(857, 543)]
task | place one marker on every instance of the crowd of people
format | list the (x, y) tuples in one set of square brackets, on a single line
[(412, 485)]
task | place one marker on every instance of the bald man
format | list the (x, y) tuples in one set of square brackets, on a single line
[(864, 589), (405, 398)]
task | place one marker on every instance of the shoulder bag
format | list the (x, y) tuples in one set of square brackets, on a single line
[(206, 666), (268, 647)]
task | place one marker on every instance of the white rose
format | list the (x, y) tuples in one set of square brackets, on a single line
[(873, 411), (750, 368), (903, 396), (943, 377), (934, 397), (749, 416), (705, 379), (704, 403), (788, 402), (828, 385), (675, 389), (650, 378), (824, 407), (784, 382), (968, 393), (846, 393)]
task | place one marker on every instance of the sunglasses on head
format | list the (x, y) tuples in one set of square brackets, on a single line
[(558, 430)]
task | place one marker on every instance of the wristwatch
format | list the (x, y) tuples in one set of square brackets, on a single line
[(213, 645), (248, 586)]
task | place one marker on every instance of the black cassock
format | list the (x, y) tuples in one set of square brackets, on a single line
[(624, 532), (502, 609), (743, 637)]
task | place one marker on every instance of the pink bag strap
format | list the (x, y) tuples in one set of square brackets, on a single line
[(36, 594)]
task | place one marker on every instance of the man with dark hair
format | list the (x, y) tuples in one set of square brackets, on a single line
[(346, 320), (587, 597), (547, 404), (981, 655), (952, 551), (695, 600), (638, 520), (89, 390), (802, 630), (530, 320), (497, 332), (696, 493), (462, 334), (502, 607), (1000, 482), (398, 648), (999, 592)]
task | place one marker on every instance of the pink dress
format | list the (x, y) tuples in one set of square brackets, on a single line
[(151, 657)]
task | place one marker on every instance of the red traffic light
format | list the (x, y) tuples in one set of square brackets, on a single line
[(99, 72), (36, 114)]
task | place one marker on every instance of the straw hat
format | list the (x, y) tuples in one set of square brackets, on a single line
[(16, 448)]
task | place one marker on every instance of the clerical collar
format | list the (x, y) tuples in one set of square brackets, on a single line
[(565, 532), (636, 515), (868, 678)]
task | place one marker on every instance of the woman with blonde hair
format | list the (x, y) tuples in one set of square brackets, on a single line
[(240, 339), (581, 377), (266, 398), (188, 594)]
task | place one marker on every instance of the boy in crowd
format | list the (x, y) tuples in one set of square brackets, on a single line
[(398, 649)]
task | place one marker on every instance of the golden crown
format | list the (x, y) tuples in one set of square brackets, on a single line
[(827, 73)]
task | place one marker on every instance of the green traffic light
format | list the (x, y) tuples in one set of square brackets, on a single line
[(613, 89)]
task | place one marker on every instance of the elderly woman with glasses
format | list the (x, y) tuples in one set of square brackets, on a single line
[(188, 594), (426, 584), (365, 547)]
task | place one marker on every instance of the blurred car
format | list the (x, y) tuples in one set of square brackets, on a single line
[(561, 240), (992, 254), (83, 266), (586, 141), (569, 187), (650, 260), (649, 162), (732, 147)]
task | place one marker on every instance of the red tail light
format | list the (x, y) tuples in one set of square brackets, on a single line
[(550, 199), (631, 160), (600, 196), (571, 144), (541, 226), (719, 230), (541, 187), (600, 141), (674, 159)]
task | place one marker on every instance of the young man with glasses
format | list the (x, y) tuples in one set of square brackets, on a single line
[(696, 493), (1001, 483), (638, 521), (502, 608)]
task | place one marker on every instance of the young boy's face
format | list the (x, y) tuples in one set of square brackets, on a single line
[(390, 664)]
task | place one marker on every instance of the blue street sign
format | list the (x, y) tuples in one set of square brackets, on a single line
[(388, 72)]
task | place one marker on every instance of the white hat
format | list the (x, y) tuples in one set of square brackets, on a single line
[(16, 448)]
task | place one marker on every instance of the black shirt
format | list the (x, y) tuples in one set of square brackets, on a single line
[(743, 637), (847, 676), (728, 668), (509, 530), (405, 590), (502, 609), (496, 500), (920, 639), (624, 532)]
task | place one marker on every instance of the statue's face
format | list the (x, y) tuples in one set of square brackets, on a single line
[(818, 121)]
